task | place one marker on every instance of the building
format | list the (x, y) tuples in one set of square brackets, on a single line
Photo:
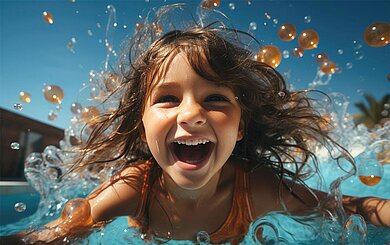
[(32, 136)]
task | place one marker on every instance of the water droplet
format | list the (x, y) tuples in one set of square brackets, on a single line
[(98, 25), (20, 207), (76, 108), (71, 44), (253, 26), (267, 16), (307, 19), (275, 21), (25, 97), (232, 6), (124, 26), (348, 65), (340, 51), (286, 54), (15, 146), (89, 33), (203, 237), (48, 17), (386, 106), (385, 113), (358, 54), (370, 171), (52, 116), (356, 45), (18, 107)]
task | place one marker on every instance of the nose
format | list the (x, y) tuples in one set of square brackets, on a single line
[(191, 113)]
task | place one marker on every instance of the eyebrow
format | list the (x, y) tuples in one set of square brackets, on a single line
[(168, 85)]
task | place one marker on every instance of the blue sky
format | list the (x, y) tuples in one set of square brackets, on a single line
[(33, 52)]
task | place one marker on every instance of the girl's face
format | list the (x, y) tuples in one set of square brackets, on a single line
[(191, 126)]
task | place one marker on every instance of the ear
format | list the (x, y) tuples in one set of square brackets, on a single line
[(241, 129), (142, 134)]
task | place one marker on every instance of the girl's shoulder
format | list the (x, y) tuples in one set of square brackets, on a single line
[(119, 195), (269, 192)]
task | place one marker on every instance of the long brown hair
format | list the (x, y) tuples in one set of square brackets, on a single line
[(280, 125)]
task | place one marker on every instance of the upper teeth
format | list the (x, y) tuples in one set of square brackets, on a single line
[(191, 142)]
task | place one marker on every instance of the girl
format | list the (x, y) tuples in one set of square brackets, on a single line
[(206, 131)]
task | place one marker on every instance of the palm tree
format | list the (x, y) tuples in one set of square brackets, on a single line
[(374, 113)]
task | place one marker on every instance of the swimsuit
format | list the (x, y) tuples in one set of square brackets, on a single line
[(236, 224)]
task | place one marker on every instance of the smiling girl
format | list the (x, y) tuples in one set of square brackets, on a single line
[(207, 130)]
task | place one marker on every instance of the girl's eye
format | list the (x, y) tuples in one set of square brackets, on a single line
[(166, 99), (216, 98)]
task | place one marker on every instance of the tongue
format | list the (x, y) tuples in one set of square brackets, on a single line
[(191, 154)]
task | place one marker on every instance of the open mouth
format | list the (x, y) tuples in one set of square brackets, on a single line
[(190, 152)]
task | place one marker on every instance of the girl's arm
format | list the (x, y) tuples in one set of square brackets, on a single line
[(116, 197)]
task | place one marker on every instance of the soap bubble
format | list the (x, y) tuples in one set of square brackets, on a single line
[(15, 146), (270, 55), (232, 6), (377, 34), (370, 171), (321, 57), (53, 94), (358, 54), (297, 52), (25, 97), (89, 113), (253, 26), (18, 107), (209, 4), (307, 19), (348, 65), (20, 207), (287, 32), (328, 67), (76, 108), (52, 115), (48, 17), (308, 39), (71, 44), (286, 54)]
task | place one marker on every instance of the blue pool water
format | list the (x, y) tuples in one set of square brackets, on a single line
[(279, 226)]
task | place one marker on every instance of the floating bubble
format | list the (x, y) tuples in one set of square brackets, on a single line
[(349, 65), (355, 230), (20, 207), (89, 113), (76, 108), (321, 57), (358, 54), (267, 16), (18, 107), (287, 32), (89, 32), (328, 67), (286, 54), (340, 51), (270, 55), (307, 19), (297, 52), (111, 81), (275, 21), (252, 26), (384, 113), (356, 45), (232, 6), (203, 237), (71, 44), (48, 17), (25, 97), (370, 171), (138, 26), (98, 25), (209, 4), (52, 115), (15, 146), (386, 106), (308, 39), (377, 34), (53, 94)]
